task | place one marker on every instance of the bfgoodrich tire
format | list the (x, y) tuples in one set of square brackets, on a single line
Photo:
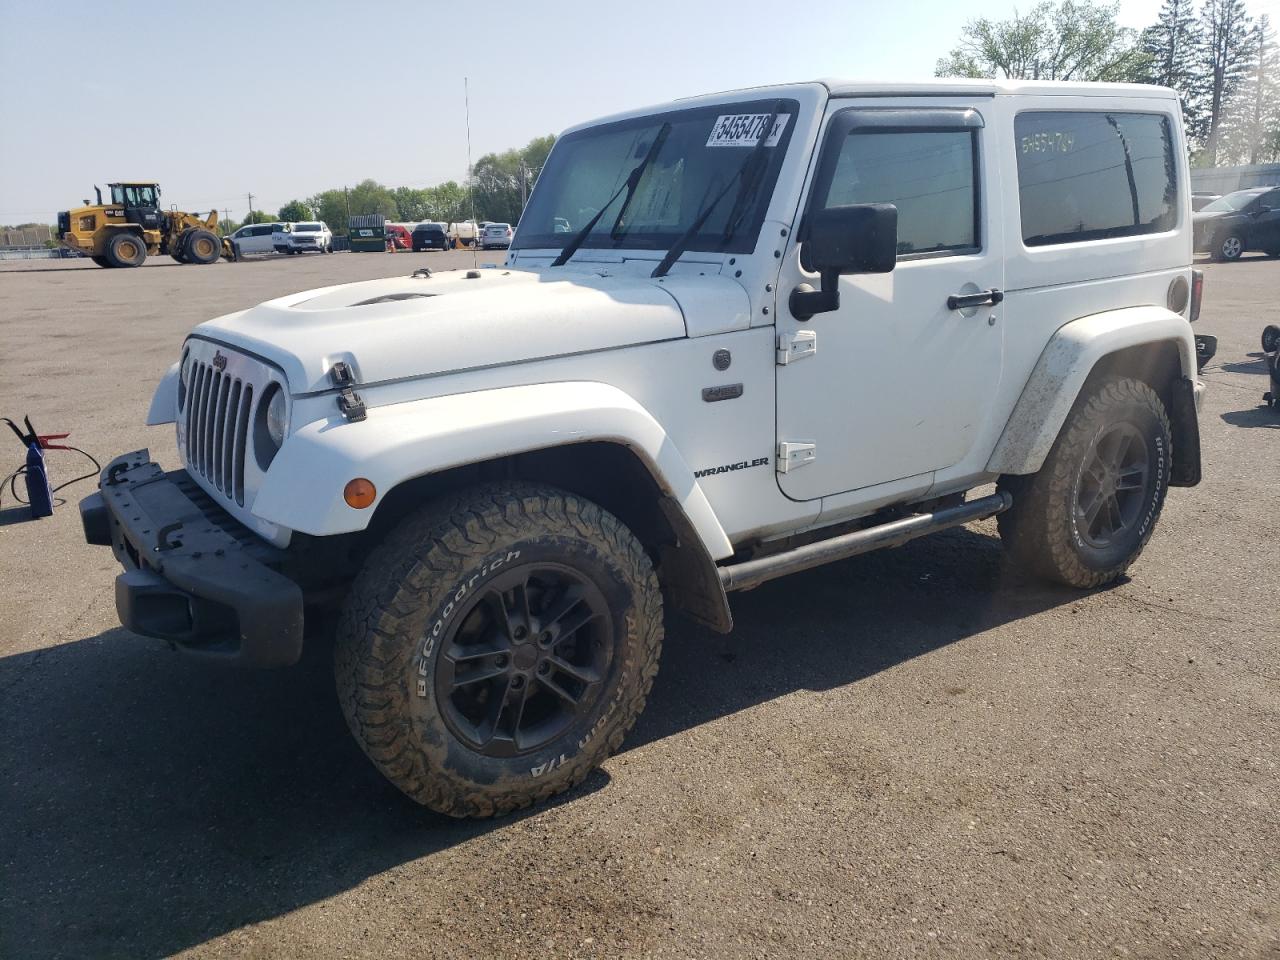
[(497, 647), (1085, 517)]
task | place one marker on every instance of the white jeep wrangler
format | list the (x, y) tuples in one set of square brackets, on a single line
[(783, 326)]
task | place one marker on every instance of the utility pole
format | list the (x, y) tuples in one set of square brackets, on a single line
[(226, 217), (346, 195), (250, 218)]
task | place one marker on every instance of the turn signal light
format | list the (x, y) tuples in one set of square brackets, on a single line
[(359, 493)]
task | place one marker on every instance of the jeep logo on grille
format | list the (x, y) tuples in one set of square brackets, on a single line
[(219, 361)]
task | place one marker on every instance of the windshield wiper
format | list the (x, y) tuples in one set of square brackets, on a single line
[(748, 167), (628, 187)]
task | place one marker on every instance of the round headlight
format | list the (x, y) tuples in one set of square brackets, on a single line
[(277, 417)]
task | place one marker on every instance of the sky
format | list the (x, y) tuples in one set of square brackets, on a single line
[(283, 98)]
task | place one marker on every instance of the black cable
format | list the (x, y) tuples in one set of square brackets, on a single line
[(12, 480), (97, 468)]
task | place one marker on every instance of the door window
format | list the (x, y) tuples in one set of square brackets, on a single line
[(929, 175)]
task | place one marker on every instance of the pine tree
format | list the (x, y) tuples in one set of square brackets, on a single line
[(1172, 44), (1251, 125), (1226, 54)]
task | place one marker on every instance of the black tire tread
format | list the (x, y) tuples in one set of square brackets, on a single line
[(1034, 531), (432, 546)]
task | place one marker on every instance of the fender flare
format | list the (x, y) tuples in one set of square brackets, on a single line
[(303, 488), (1064, 366)]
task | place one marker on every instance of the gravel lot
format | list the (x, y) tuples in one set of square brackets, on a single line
[(913, 753)]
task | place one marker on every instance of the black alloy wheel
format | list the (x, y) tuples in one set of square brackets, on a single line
[(526, 660), (1111, 489)]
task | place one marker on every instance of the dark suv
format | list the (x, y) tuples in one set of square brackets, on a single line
[(430, 236), (1239, 222)]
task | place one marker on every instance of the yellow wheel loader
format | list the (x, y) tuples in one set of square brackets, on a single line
[(123, 232)]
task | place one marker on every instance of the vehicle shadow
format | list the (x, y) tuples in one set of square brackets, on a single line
[(1256, 365), (152, 802), (1259, 416)]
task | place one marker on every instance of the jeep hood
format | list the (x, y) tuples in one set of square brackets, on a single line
[(417, 326)]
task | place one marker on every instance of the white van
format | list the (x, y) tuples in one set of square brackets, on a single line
[(255, 237)]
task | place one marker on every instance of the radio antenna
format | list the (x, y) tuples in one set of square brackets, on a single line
[(471, 190)]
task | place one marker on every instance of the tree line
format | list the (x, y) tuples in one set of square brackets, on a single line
[(1223, 63), (500, 186)]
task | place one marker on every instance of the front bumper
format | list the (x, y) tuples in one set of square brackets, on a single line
[(193, 574)]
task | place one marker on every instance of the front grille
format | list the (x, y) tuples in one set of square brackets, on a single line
[(217, 410)]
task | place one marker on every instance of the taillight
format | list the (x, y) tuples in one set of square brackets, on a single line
[(1197, 293)]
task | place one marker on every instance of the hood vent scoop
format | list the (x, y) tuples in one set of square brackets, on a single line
[(389, 297)]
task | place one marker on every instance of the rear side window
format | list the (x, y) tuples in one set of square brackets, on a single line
[(929, 175), (1094, 175)]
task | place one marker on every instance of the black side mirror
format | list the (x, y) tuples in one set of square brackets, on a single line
[(858, 238)]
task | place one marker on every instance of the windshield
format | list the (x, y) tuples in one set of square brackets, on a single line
[(133, 195), (306, 228), (1232, 201), (701, 153)]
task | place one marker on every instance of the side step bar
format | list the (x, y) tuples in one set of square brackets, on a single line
[(752, 573)]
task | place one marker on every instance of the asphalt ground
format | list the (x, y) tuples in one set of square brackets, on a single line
[(915, 753)]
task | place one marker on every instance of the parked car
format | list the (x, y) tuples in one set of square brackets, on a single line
[(398, 235), (832, 321), (431, 236), (1238, 223), (496, 235), (1201, 200), (255, 238), (309, 235)]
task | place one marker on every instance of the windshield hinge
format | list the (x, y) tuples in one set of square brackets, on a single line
[(794, 454), (349, 402), (796, 346)]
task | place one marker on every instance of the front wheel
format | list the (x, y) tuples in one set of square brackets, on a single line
[(1270, 338), (498, 646), (202, 247), (1085, 517)]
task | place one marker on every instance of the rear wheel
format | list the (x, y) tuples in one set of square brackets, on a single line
[(1085, 517), (126, 250), (498, 646), (1229, 246)]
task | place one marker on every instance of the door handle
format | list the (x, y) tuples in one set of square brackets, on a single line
[(959, 301)]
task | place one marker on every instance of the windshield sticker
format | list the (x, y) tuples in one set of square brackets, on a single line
[(744, 129)]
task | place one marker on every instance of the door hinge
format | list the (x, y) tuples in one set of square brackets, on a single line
[(796, 346), (793, 455)]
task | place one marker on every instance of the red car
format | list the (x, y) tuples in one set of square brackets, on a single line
[(398, 237)]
